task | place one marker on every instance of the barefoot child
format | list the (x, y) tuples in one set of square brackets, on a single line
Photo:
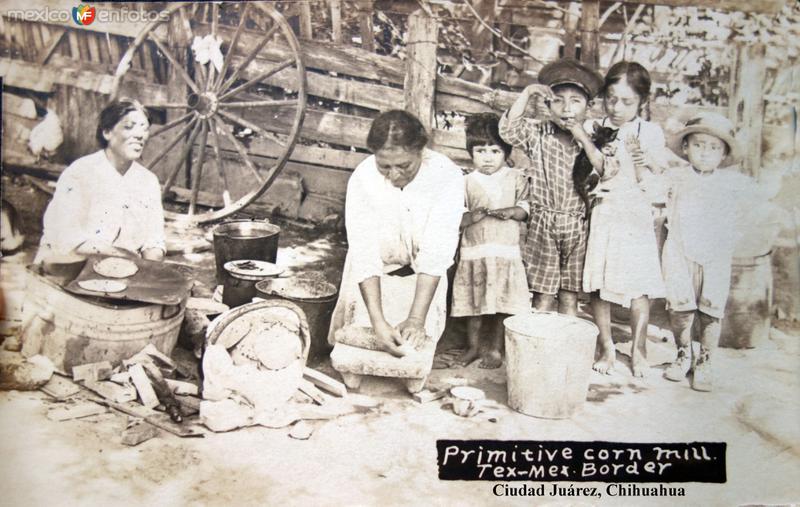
[(701, 218), (622, 262), (555, 244), (490, 279)]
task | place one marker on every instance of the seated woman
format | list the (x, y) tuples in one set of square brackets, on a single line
[(402, 213), (107, 203)]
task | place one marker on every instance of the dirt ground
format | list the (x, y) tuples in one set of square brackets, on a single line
[(388, 455)]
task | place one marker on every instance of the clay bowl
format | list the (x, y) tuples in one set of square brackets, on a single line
[(467, 401)]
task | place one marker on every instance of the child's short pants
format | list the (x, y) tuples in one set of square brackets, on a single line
[(554, 251), (692, 286)]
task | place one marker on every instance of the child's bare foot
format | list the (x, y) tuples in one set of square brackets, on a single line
[(491, 360), (465, 359), (638, 363), (604, 365), (608, 354)]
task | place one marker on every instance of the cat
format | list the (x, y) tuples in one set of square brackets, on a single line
[(583, 176)]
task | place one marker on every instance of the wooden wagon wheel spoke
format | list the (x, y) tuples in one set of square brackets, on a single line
[(261, 103), (252, 126), (264, 75), (226, 194), (201, 78), (220, 100), (173, 175), (167, 105), (202, 81), (174, 61), (249, 58), (198, 175), (170, 125), (211, 78), (175, 140), (214, 16), (242, 153), (226, 62)]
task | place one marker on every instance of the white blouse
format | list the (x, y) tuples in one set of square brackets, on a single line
[(416, 226), (703, 210), (94, 203)]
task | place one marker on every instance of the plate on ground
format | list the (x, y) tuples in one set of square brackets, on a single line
[(115, 267), (106, 286)]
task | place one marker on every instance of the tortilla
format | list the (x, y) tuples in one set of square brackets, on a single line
[(97, 285), (115, 267)]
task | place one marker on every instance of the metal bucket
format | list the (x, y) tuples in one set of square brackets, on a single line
[(548, 362), (747, 314), (244, 239), (239, 286), (316, 298), (73, 330)]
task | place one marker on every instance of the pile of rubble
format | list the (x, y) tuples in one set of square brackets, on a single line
[(157, 393)]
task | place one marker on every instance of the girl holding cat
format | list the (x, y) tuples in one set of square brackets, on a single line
[(622, 262)]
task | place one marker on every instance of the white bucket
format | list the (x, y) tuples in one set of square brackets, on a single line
[(548, 362)]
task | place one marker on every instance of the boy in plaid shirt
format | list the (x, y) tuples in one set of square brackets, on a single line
[(555, 245)]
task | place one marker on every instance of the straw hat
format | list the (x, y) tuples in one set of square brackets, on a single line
[(569, 71), (713, 124)]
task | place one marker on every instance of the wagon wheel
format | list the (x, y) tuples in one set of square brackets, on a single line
[(249, 75)]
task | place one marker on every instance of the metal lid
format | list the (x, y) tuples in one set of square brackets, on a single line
[(298, 288), (252, 270)]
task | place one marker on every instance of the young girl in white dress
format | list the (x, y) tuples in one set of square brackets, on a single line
[(622, 262), (490, 281)]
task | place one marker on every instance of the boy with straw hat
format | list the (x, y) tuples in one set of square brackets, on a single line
[(701, 219)]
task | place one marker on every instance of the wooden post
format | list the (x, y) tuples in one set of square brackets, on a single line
[(746, 106), (590, 21), (499, 72), (420, 79), (481, 38), (177, 41), (570, 27), (336, 20), (365, 9), (305, 21)]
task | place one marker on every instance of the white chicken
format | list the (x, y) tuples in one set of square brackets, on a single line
[(47, 136), (11, 237)]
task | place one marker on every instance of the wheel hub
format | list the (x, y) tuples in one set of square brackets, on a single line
[(205, 104)]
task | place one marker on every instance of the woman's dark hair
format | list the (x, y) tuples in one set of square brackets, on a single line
[(113, 113), (396, 128), (637, 76), (482, 130)]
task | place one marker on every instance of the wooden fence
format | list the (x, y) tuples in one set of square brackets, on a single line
[(72, 65)]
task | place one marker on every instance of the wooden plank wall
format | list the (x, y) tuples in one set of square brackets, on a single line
[(77, 75), (74, 66)]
